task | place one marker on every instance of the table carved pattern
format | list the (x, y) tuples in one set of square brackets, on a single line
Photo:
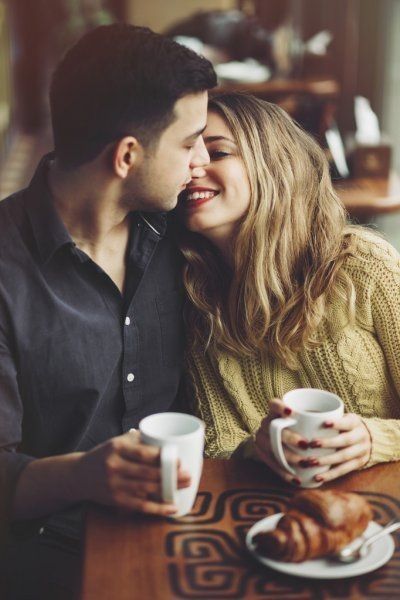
[(217, 565)]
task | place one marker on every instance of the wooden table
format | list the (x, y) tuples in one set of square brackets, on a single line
[(366, 197), (203, 556)]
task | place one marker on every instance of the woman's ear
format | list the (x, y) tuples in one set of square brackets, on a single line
[(127, 153)]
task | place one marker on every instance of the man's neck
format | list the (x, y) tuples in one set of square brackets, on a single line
[(89, 204)]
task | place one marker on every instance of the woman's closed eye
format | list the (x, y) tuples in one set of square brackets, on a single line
[(218, 154)]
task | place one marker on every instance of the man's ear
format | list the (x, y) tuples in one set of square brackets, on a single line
[(128, 153)]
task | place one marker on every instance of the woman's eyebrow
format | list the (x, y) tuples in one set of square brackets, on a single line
[(217, 138)]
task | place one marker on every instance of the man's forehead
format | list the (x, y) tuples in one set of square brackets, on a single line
[(191, 101), (192, 106), (190, 118)]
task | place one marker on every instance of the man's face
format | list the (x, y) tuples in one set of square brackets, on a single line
[(166, 169)]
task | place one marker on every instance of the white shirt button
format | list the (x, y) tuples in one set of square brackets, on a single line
[(130, 377), (127, 321)]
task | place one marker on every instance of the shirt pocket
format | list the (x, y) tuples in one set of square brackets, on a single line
[(170, 314)]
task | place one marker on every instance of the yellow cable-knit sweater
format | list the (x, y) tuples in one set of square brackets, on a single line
[(360, 363)]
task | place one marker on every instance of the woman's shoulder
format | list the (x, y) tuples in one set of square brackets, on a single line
[(371, 254), (370, 274)]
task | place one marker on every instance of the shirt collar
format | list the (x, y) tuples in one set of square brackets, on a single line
[(48, 229), (156, 221)]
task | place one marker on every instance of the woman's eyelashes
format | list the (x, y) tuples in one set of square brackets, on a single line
[(217, 154)]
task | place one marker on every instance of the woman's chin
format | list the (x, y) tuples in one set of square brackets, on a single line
[(194, 229), (194, 224)]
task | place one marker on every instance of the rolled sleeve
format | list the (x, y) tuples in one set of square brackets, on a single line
[(12, 462)]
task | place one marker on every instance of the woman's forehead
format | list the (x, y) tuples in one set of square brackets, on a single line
[(217, 126)]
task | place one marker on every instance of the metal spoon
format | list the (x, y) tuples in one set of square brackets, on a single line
[(359, 549)]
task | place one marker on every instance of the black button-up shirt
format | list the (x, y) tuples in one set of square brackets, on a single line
[(79, 362)]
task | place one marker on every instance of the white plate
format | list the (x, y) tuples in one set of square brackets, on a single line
[(380, 552)]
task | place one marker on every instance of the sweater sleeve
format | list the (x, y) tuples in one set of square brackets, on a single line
[(385, 437), (225, 431), (385, 310)]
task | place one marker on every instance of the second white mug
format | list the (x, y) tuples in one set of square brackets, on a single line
[(311, 408)]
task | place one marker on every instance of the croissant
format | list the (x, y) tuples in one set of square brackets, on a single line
[(317, 523)]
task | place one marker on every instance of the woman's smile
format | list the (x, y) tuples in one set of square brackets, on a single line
[(196, 196)]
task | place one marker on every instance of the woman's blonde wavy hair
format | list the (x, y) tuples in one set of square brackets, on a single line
[(289, 246)]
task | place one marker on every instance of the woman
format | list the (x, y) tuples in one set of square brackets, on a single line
[(285, 294)]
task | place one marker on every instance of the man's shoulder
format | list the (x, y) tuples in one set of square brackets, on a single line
[(11, 216), (11, 207)]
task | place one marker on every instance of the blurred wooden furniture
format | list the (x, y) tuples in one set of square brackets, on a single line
[(367, 197), (325, 89), (312, 102), (204, 556), (354, 55)]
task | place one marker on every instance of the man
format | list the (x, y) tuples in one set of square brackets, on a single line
[(91, 335)]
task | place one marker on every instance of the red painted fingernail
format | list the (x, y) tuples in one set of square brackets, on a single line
[(287, 411), (296, 481), (313, 462), (318, 478), (328, 424), (303, 444), (315, 444)]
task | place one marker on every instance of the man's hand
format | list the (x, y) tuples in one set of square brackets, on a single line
[(126, 474), (121, 472)]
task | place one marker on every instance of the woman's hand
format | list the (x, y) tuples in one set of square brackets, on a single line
[(352, 445), (263, 446)]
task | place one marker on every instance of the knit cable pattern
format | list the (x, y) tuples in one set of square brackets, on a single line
[(360, 362)]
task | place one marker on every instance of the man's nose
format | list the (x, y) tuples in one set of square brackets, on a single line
[(200, 158)]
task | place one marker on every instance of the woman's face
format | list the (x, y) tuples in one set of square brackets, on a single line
[(219, 193)]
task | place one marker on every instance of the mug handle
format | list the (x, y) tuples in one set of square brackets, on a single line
[(169, 472), (275, 435)]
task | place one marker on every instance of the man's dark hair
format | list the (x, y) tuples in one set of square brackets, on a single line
[(120, 80)]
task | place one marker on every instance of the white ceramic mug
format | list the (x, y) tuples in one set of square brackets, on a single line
[(311, 408), (179, 436)]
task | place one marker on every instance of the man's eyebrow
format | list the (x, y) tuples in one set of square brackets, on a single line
[(195, 134), (218, 138)]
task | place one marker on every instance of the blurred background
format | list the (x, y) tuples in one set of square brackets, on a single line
[(334, 65)]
